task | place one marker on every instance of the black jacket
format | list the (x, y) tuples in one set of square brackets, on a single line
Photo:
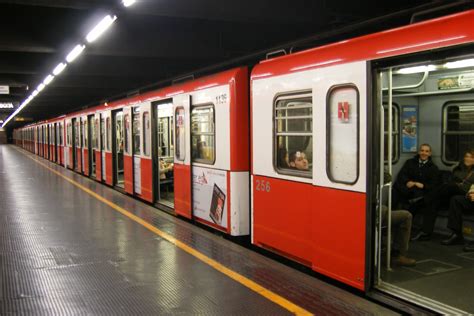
[(428, 174), (463, 176)]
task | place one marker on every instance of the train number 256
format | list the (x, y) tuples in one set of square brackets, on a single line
[(262, 185)]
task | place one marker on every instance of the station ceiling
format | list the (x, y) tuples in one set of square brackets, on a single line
[(156, 41)]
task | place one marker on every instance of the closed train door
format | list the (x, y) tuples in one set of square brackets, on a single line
[(107, 172), (128, 150), (99, 144), (92, 144), (146, 165), (163, 152), (182, 155), (118, 148), (136, 150), (85, 146)]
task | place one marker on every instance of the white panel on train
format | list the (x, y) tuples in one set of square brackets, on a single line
[(182, 133), (211, 96), (321, 83)]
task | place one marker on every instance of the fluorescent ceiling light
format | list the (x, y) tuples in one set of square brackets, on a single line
[(59, 68), (460, 64), (100, 28), (416, 69), (48, 79), (128, 3), (35, 93), (40, 87), (75, 52)]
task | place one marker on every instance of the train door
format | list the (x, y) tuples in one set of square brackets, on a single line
[(103, 139), (136, 142), (76, 144), (182, 155), (55, 141), (118, 148), (68, 150), (128, 150), (426, 102), (108, 171), (163, 152), (61, 143), (36, 131), (99, 143), (52, 154), (85, 146), (92, 144)]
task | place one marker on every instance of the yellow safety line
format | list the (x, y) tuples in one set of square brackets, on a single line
[(286, 304)]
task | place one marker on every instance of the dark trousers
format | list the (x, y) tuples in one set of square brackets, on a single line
[(433, 201), (458, 206)]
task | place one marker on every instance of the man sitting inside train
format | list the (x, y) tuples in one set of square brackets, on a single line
[(297, 160), (418, 177), (459, 205), (401, 221)]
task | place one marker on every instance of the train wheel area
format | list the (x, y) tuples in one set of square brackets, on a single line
[(71, 245)]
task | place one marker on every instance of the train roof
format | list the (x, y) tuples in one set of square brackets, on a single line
[(441, 32)]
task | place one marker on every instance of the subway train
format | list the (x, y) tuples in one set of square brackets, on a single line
[(291, 151)]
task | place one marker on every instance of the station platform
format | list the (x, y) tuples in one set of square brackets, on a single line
[(69, 245)]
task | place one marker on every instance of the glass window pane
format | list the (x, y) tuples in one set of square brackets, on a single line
[(343, 129), (136, 131), (126, 131), (458, 131), (180, 133), (293, 128), (146, 133), (202, 135)]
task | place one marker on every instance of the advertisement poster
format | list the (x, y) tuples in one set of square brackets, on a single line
[(409, 129), (209, 195)]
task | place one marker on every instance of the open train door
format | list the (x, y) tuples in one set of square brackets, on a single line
[(85, 145), (127, 152), (182, 157), (146, 165)]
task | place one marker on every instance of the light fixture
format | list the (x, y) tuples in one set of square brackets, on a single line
[(128, 3), (48, 79), (416, 69), (59, 68), (40, 87), (75, 52), (460, 64), (100, 28), (35, 93)]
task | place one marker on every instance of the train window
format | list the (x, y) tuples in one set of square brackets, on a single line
[(76, 134), (146, 133), (203, 134), (102, 134), (85, 133), (107, 133), (68, 134), (97, 133), (293, 139), (126, 131), (180, 133), (61, 134), (458, 130), (136, 131), (395, 133), (343, 134)]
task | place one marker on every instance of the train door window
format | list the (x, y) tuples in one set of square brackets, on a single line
[(86, 136), (102, 134), (119, 143), (458, 130), (203, 147), (180, 133), (107, 133), (77, 142), (136, 131), (293, 134), (126, 131), (395, 133), (343, 134), (97, 133), (68, 134), (146, 133)]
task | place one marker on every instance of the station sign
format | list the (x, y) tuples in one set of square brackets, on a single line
[(6, 105), (4, 90)]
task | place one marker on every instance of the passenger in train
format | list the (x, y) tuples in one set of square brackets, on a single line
[(401, 221), (298, 160), (418, 177), (462, 178), (459, 205), (199, 153), (283, 160), (165, 169)]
